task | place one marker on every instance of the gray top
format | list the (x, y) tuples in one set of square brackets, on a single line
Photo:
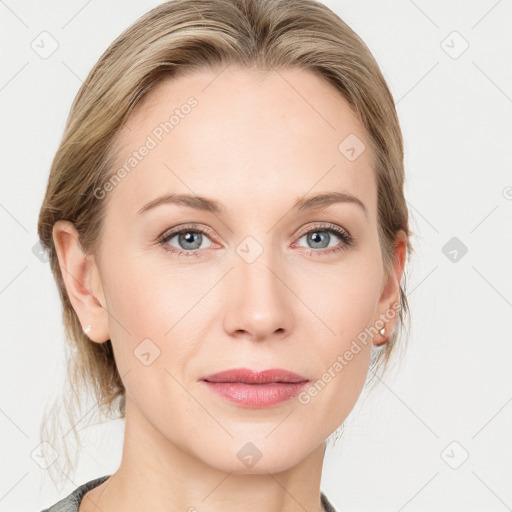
[(70, 503)]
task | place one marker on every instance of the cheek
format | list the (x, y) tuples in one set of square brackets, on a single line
[(137, 310), (347, 303), (345, 297), (343, 358), (152, 303), (144, 296)]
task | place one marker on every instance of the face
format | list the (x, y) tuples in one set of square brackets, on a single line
[(255, 282)]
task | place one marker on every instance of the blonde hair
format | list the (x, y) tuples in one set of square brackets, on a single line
[(181, 36)]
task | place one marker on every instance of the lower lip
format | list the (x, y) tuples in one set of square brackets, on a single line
[(256, 395)]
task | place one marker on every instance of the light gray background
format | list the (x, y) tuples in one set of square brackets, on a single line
[(453, 388)]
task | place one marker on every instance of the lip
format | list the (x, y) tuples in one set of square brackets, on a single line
[(246, 376), (255, 389)]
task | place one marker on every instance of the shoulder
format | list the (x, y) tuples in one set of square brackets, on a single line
[(328, 507), (71, 502)]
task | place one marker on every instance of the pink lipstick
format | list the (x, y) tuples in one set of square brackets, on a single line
[(255, 389)]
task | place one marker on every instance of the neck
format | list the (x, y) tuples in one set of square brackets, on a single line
[(159, 475)]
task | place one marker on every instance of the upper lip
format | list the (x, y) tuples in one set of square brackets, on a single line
[(247, 376)]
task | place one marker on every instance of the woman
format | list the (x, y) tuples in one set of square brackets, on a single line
[(226, 224)]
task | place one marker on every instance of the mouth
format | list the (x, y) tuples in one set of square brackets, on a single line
[(253, 389)]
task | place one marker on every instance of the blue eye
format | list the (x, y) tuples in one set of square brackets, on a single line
[(318, 238), (191, 237)]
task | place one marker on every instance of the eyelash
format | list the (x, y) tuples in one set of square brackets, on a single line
[(347, 239)]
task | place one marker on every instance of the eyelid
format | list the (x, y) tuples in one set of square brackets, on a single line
[(323, 226), (184, 227)]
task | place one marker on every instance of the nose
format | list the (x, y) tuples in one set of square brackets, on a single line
[(260, 304)]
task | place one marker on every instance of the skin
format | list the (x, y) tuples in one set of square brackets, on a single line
[(255, 143)]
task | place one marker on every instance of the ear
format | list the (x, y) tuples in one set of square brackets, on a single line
[(82, 281), (390, 296)]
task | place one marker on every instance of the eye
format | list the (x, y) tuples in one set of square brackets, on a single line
[(189, 239), (320, 237)]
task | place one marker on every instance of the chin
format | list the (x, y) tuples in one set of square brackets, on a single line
[(260, 456)]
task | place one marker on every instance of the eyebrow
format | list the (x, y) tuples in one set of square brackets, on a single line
[(315, 202)]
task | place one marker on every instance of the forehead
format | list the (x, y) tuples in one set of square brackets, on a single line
[(246, 138)]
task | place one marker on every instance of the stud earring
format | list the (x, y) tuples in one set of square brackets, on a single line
[(87, 329), (382, 332)]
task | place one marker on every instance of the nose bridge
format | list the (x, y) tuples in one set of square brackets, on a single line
[(260, 302)]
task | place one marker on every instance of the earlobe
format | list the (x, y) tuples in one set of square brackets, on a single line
[(390, 297), (82, 282)]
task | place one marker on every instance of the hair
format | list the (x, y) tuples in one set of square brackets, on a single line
[(181, 36)]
